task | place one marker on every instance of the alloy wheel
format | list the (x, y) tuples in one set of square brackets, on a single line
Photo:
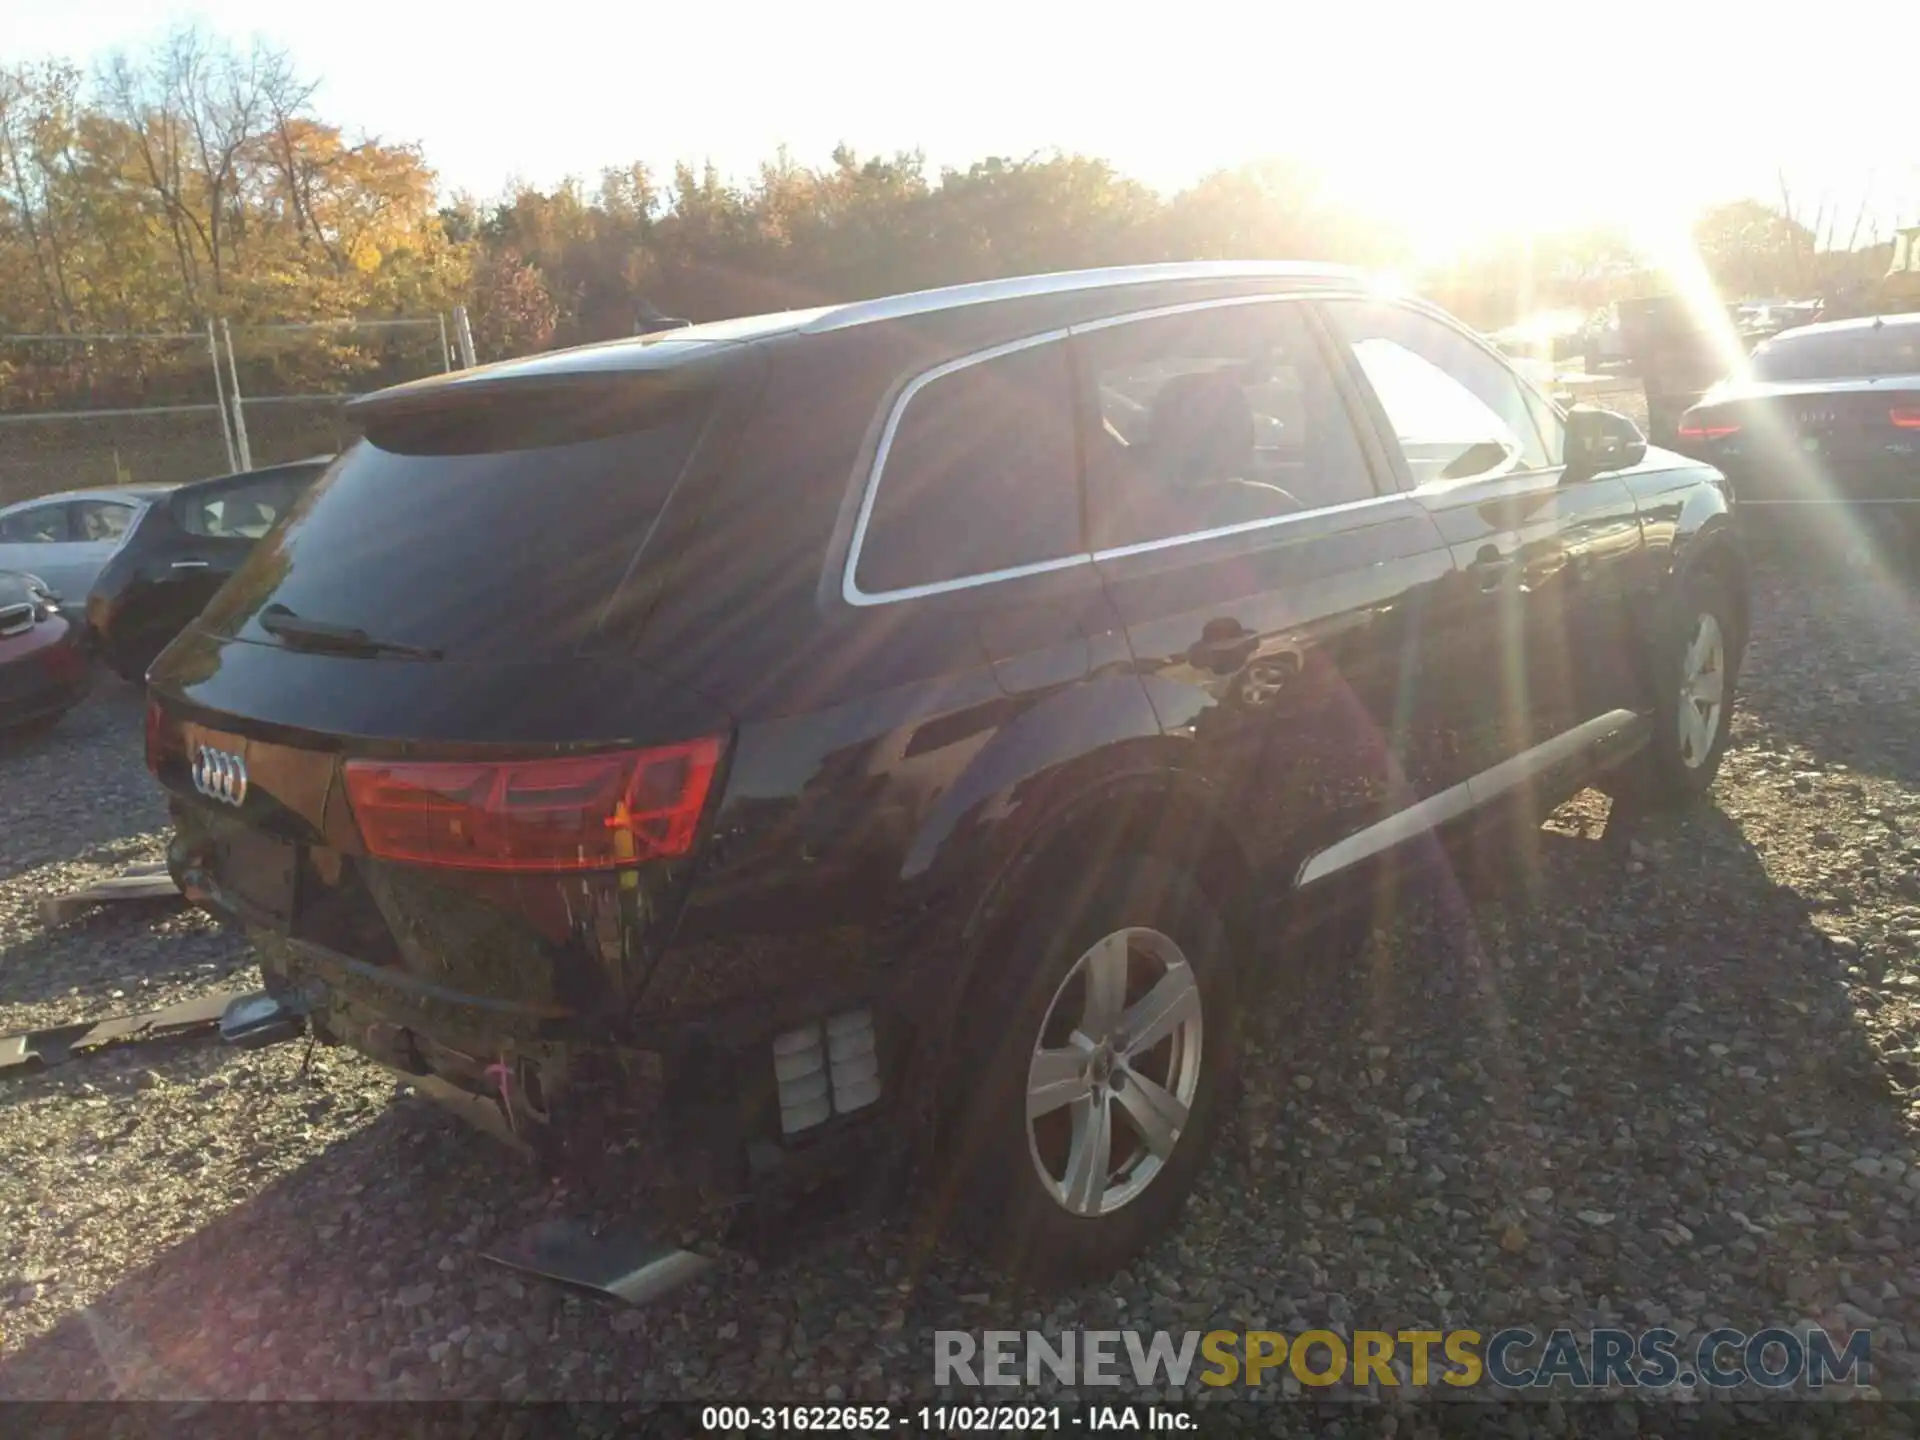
[(1703, 681), (1114, 1071)]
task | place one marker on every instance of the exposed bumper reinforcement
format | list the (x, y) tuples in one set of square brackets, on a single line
[(481, 1111)]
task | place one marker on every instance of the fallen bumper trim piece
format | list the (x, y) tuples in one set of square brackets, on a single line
[(628, 1265), (34, 1050)]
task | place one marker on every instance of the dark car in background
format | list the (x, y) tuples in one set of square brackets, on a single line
[(886, 730), (1822, 429), (43, 668), (184, 545)]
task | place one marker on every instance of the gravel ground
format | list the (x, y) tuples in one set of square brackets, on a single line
[(1666, 1081)]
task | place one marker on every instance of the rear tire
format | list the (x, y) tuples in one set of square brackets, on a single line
[(1111, 1013), (1698, 670)]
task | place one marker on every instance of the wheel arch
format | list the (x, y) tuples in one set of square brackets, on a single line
[(1170, 812), (1154, 808), (1715, 552)]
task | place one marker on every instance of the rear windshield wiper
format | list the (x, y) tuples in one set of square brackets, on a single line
[(304, 634)]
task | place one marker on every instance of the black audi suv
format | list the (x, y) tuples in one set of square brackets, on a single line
[(914, 727)]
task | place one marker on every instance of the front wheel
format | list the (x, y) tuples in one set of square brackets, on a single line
[(1100, 1049), (1698, 669)]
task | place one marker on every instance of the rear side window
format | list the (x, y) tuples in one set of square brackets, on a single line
[(242, 512), (42, 525), (487, 534), (1856, 354), (980, 475)]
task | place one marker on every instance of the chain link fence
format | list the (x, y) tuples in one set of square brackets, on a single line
[(106, 409), (129, 408), (292, 380)]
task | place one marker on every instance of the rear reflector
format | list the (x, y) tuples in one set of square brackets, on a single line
[(575, 812), (1907, 417), (819, 1081), (1694, 426)]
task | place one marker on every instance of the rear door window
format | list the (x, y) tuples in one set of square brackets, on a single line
[(980, 475), (496, 531)]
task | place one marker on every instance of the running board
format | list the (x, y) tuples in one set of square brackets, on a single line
[(627, 1265)]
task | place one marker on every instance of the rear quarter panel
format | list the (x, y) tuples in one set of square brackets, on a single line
[(884, 767)]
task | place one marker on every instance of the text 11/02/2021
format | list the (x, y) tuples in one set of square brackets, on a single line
[(943, 1419)]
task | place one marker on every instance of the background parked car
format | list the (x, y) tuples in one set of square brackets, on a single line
[(43, 669), (1823, 427), (67, 539), (182, 549)]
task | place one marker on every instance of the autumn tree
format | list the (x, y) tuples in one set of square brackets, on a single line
[(513, 313), (1751, 249), (197, 180)]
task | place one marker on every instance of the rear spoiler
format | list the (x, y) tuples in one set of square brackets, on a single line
[(517, 403)]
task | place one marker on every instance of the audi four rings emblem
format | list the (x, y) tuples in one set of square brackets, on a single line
[(220, 775)]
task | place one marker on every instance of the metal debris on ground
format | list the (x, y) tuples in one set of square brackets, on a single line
[(149, 882), (628, 1265), (36, 1050)]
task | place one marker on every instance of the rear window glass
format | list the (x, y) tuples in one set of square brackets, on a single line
[(981, 475), (1839, 354), (501, 554)]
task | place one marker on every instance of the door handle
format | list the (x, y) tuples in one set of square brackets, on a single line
[(189, 564)]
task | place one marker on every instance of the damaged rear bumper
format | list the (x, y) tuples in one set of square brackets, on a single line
[(695, 1112)]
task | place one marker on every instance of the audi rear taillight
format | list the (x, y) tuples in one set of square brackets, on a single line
[(1697, 426), (1907, 417), (575, 812)]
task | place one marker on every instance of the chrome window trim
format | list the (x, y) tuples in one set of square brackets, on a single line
[(850, 590), (1246, 527), (1067, 282), (1511, 483), (1159, 312)]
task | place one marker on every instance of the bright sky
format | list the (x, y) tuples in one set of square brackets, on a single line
[(1468, 117)]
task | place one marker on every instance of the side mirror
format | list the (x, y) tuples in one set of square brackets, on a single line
[(1599, 441)]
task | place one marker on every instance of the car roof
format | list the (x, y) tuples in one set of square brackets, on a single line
[(1842, 327), (154, 489), (119, 493), (669, 348), (309, 462)]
